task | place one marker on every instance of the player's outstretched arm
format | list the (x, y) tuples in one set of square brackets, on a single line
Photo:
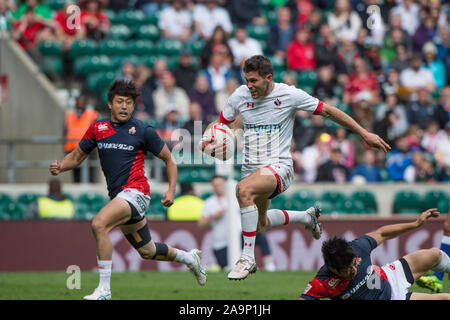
[(172, 174), (394, 230), (345, 120), (70, 161)]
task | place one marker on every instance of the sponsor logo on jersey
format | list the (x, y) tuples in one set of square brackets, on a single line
[(102, 126), (333, 282), (250, 105), (277, 102), (116, 146), (265, 128)]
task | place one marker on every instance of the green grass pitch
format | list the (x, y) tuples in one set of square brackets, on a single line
[(151, 285)]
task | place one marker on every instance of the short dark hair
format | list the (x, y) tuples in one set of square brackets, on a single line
[(125, 88), (338, 253), (260, 64)]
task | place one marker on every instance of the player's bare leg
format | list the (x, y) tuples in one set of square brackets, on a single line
[(259, 185), (139, 236), (114, 213), (422, 261)]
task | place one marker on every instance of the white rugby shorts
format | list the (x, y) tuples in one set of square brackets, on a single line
[(400, 278), (139, 200)]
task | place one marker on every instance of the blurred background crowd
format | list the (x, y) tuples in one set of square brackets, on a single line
[(384, 62)]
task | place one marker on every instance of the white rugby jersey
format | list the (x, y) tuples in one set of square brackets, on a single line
[(268, 122)]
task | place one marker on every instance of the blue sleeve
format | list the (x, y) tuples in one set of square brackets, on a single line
[(365, 243), (152, 141)]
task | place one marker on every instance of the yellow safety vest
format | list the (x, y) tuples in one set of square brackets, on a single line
[(186, 207), (49, 208)]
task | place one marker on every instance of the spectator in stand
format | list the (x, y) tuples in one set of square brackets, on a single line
[(167, 127), (118, 5), (372, 20), (66, 31), (423, 111), (409, 13), (223, 95), (333, 170), (398, 159), (94, 19), (207, 16), (391, 103), (314, 156), (305, 135), (185, 73), (55, 205), (342, 142), (347, 52), (314, 21), (326, 51), (218, 71), (144, 107), (218, 39), (325, 84), (442, 154), (442, 42), (195, 126), (387, 127), (242, 46), (175, 21), (361, 80), (397, 34), (401, 60), (170, 96), (300, 54), (245, 12), (443, 109), (431, 137), (369, 170), (363, 110), (416, 77), (436, 67), (281, 33), (302, 9), (32, 23), (343, 21), (76, 123), (420, 170), (426, 32), (127, 71), (155, 80), (202, 94)]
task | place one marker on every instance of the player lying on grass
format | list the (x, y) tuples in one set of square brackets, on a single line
[(348, 272), (122, 142), (434, 281)]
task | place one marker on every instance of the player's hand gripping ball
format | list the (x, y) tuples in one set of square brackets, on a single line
[(218, 142)]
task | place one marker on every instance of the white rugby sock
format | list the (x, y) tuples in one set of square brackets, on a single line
[(281, 217), (249, 222), (444, 264), (183, 257), (104, 270)]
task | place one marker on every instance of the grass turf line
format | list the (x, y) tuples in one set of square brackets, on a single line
[(151, 285)]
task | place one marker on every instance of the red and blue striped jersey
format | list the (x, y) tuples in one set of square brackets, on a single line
[(122, 148)]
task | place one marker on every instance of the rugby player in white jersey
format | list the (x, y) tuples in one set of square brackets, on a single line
[(268, 110)]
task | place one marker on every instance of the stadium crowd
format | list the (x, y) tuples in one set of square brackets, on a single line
[(386, 63)]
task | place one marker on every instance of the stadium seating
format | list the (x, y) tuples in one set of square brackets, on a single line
[(367, 199), (120, 32), (303, 200), (83, 47), (156, 209), (407, 202), (333, 199), (437, 199)]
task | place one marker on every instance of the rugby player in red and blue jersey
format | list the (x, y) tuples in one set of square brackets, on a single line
[(348, 272), (122, 142)]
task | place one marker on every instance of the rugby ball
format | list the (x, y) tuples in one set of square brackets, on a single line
[(222, 147)]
